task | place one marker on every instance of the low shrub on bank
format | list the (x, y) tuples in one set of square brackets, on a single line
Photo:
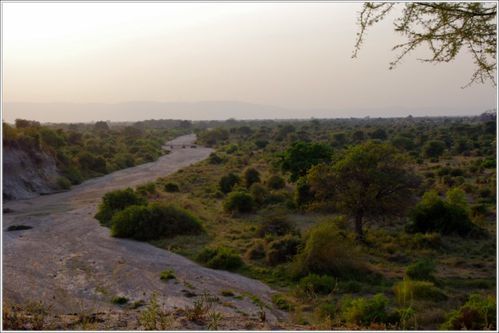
[(478, 313), (220, 258), (327, 251), (116, 201), (240, 202), (154, 221)]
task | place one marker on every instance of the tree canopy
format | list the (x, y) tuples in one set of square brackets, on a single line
[(445, 27), (369, 180)]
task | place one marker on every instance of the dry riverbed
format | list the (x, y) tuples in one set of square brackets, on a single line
[(70, 263)]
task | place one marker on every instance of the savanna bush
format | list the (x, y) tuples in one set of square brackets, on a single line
[(407, 290), (316, 284), (478, 313), (116, 201), (171, 187), (445, 216), (251, 176), (275, 182), (276, 225), (228, 182), (259, 193), (364, 311), (328, 251), (282, 249), (239, 201), (220, 258), (421, 270), (154, 221)]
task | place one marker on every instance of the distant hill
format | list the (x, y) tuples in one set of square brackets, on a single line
[(134, 111), (205, 110)]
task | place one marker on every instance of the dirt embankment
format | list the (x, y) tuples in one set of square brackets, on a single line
[(26, 174), (70, 262)]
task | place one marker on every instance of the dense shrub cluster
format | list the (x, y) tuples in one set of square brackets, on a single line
[(239, 201), (364, 311), (478, 313), (220, 258), (83, 151), (153, 221), (116, 201), (228, 181), (445, 216), (327, 251)]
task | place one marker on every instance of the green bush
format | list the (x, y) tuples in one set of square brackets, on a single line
[(119, 300), (444, 216), (275, 182), (220, 258), (148, 188), (239, 201), (256, 250), (434, 148), (478, 313), (275, 224), (421, 270), (407, 290), (116, 201), (282, 250), (364, 311), (328, 251), (154, 221), (259, 193), (282, 303), (166, 275), (215, 159), (228, 182), (171, 187), (63, 183), (316, 284), (303, 193), (251, 176)]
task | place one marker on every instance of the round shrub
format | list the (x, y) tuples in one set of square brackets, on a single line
[(478, 313), (171, 187), (282, 250), (228, 181), (421, 270), (153, 221), (63, 183), (251, 176), (259, 193), (277, 225), (275, 182), (115, 201), (316, 284), (220, 258), (364, 311), (434, 148), (256, 251), (435, 214), (215, 159), (239, 201), (328, 251), (407, 290)]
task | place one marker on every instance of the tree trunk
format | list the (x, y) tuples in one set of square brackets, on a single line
[(358, 226)]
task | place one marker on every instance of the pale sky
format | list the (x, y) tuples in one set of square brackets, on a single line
[(290, 55)]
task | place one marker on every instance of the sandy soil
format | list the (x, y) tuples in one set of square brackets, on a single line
[(68, 261)]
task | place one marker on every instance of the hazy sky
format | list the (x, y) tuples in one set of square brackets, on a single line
[(292, 55)]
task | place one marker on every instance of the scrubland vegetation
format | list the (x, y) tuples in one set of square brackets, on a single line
[(83, 151), (372, 223)]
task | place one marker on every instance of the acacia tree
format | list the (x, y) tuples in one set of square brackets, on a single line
[(445, 27), (370, 180)]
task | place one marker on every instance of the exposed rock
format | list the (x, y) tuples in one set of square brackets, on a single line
[(28, 174)]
